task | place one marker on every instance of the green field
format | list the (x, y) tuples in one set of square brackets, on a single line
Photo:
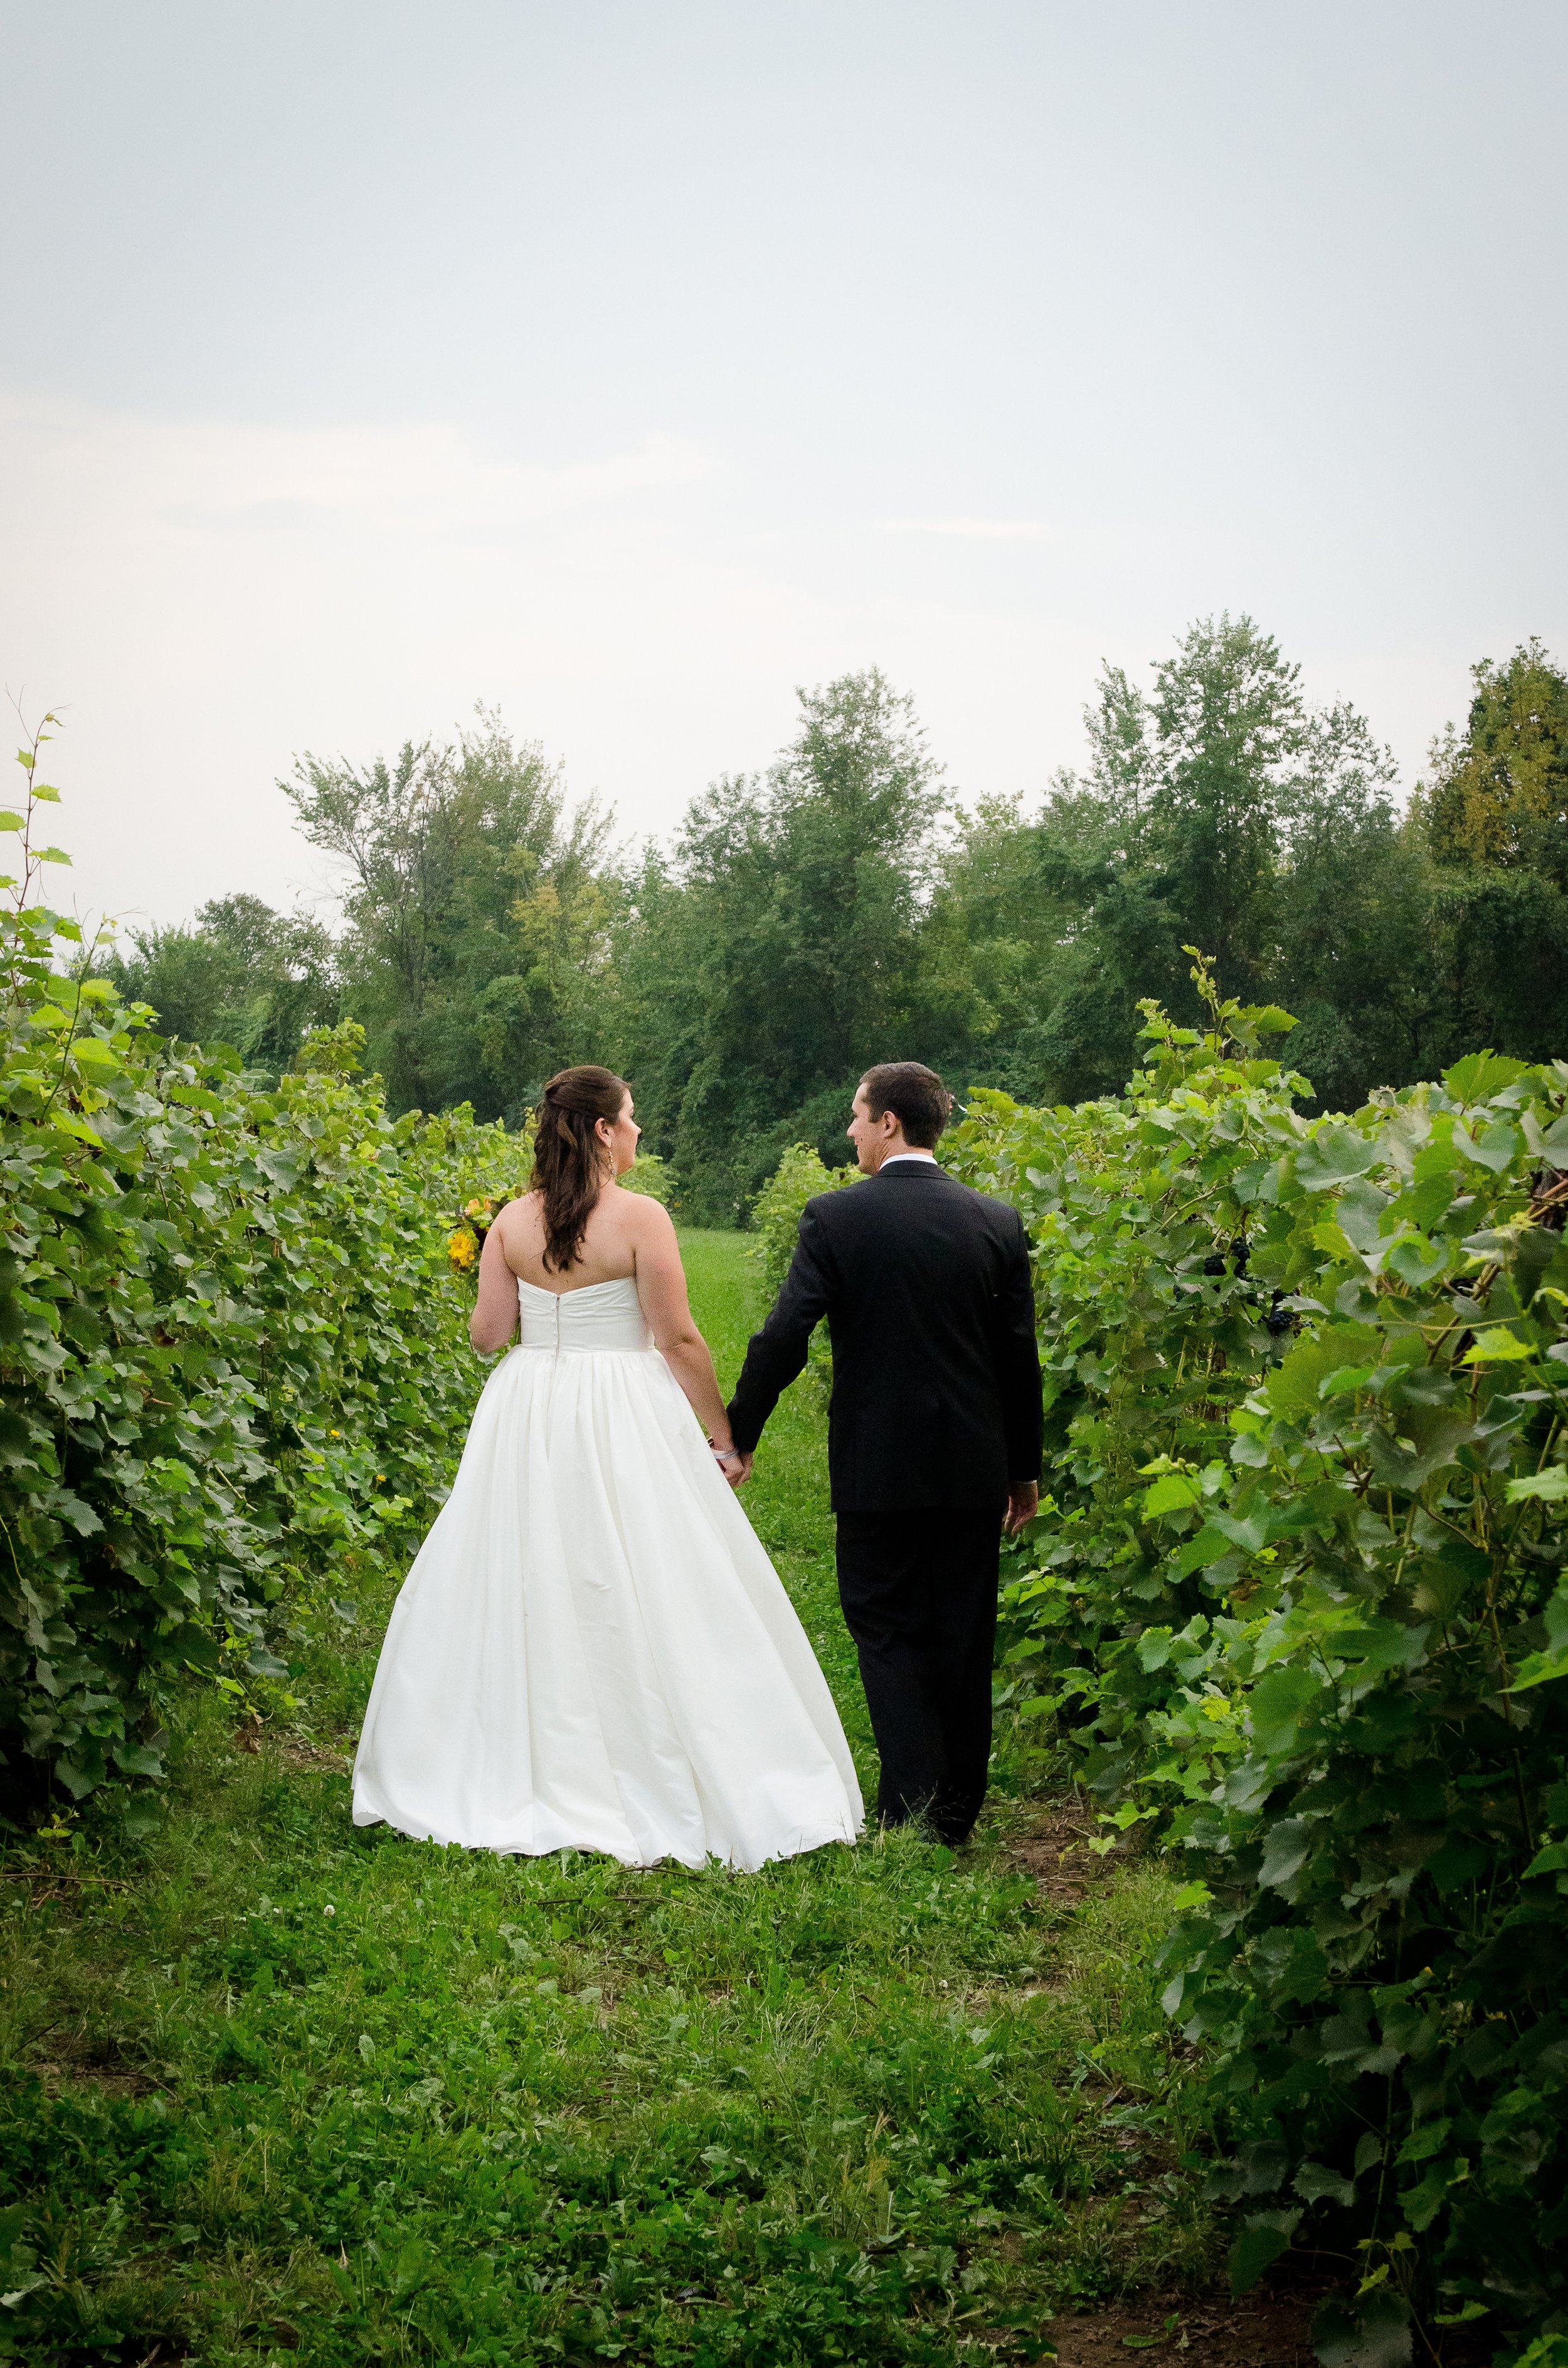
[(281, 2090)]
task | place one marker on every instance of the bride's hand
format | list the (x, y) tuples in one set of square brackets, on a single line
[(735, 1467)]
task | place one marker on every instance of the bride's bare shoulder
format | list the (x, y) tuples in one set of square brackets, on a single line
[(521, 1220), (524, 1210), (639, 1211)]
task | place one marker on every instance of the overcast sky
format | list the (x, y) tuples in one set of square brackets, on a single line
[(626, 365)]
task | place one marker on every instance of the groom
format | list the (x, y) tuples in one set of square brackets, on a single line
[(934, 1434)]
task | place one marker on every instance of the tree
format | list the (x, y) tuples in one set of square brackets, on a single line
[(660, 946), (1219, 809), (987, 943), (1173, 837), (479, 907), (241, 974), (1494, 816), (807, 888), (1352, 958), (1227, 725), (1498, 799)]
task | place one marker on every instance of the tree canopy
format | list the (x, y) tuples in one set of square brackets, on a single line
[(842, 906), (240, 973), (479, 904)]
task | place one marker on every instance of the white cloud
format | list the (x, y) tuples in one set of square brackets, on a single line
[(210, 471), (980, 529), (204, 597)]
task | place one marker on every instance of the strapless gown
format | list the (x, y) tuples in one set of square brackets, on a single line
[(592, 1649)]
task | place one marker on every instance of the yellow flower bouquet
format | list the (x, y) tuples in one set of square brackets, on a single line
[(466, 1240)]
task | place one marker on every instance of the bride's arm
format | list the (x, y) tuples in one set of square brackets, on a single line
[(661, 1287), (495, 1317)]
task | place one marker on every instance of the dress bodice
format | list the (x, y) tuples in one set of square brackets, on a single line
[(595, 1315)]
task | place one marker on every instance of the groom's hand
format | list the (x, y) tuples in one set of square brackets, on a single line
[(735, 1467), (1023, 1504)]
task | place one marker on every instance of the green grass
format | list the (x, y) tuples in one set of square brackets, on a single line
[(283, 2089)]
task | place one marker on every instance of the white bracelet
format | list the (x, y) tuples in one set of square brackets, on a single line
[(722, 1454)]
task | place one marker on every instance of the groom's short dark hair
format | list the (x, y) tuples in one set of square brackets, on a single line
[(917, 1096)]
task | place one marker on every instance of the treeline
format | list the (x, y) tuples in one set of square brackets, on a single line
[(841, 907)]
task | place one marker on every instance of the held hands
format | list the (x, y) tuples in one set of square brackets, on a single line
[(1023, 1504), (735, 1467)]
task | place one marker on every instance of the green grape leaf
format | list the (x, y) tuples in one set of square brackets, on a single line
[(1373, 2334), (1499, 1347), (1335, 1154), (1278, 1704), (1173, 1492), (1265, 2237), (1550, 1485)]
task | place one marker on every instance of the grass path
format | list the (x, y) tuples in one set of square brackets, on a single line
[(278, 2089)]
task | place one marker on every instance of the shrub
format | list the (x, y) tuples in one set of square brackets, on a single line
[(800, 1176), (651, 1175), (776, 1212), (1296, 1595), (233, 1357)]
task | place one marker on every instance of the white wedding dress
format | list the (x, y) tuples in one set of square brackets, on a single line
[(592, 1649)]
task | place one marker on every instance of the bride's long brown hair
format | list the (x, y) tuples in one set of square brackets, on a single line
[(569, 1159)]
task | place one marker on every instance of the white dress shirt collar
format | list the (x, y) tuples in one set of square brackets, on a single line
[(899, 1158)]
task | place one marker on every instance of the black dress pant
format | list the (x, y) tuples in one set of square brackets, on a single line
[(920, 1596)]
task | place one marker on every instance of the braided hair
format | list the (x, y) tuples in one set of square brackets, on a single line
[(569, 1159)]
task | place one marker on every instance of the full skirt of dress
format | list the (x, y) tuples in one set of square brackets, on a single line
[(592, 1649)]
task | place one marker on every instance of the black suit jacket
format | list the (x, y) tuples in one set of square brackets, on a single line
[(936, 1375)]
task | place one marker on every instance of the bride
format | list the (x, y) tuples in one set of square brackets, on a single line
[(592, 1649)]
